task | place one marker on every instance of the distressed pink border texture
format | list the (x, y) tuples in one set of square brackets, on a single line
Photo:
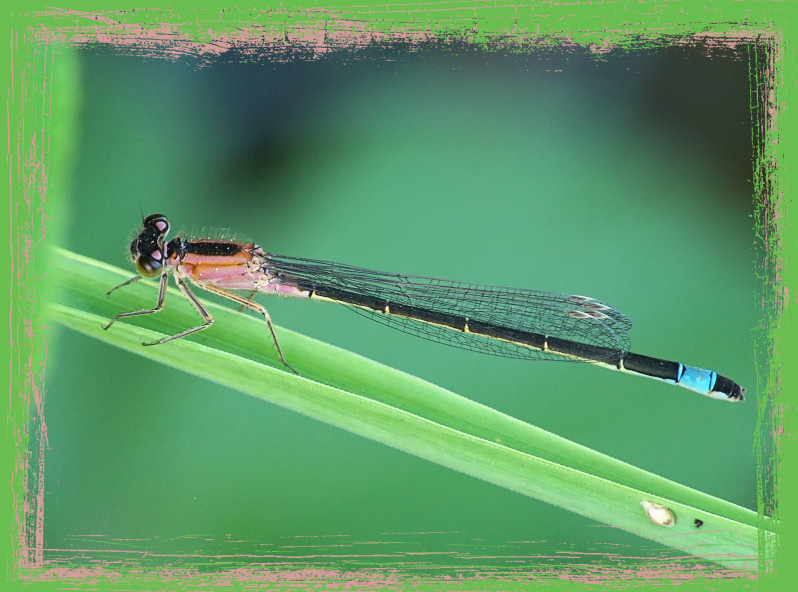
[(309, 34)]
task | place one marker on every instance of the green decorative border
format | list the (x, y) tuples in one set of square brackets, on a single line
[(300, 31)]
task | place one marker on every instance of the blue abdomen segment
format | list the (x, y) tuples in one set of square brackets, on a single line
[(697, 379), (705, 382)]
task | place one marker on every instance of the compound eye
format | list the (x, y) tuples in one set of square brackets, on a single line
[(157, 222), (149, 265)]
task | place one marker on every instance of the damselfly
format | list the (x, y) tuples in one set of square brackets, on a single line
[(506, 322)]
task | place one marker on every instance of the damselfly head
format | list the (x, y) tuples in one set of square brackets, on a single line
[(147, 249)]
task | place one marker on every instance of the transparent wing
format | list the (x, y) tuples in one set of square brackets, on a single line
[(566, 316)]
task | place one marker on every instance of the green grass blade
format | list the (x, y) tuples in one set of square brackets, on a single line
[(402, 411)]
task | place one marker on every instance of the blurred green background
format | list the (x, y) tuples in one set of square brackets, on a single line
[(625, 178)]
